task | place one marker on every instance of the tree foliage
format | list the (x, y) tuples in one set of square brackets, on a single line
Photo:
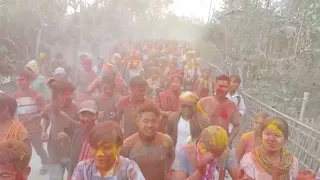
[(59, 23), (277, 42)]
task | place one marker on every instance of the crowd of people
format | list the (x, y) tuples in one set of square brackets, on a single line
[(148, 111)]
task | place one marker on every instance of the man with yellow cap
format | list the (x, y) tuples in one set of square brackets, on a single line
[(207, 158), (186, 125)]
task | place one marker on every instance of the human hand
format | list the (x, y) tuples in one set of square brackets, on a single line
[(44, 136), (204, 159), (51, 83), (62, 135), (276, 172), (243, 175), (36, 117), (168, 175), (306, 175), (167, 113)]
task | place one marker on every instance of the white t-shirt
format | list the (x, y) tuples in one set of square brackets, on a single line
[(183, 133)]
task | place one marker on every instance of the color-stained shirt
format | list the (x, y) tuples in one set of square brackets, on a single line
[(153, 159), (16, 132), (248, 140), (85, 151), (128, 170), (30, 103), (106, 106), (57, 149), (167, 101), (318, 175), (186, 160), (39, 84)]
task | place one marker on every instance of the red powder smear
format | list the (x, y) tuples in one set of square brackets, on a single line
[(132, 173), (83, 122), (224, 114), (66, 92), (86, 61), (219, 90)]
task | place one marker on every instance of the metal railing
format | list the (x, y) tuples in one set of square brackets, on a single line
[(304, 140)]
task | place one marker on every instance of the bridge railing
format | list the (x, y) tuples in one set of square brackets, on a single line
[(304, 140)]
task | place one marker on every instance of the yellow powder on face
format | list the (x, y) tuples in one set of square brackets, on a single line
[(264, 142), (100, 152), (115, 151), (273, 126), (135, 62)]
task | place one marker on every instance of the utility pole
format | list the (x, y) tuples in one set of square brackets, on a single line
[(209, 16)]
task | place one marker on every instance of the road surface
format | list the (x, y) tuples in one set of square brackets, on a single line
[(35, 165)]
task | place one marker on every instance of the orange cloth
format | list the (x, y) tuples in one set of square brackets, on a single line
[(16, 132)]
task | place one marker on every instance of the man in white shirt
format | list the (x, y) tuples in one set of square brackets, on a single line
[(185, 125), (235, 97)]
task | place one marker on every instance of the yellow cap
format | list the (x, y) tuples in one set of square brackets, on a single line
[(42, 55)]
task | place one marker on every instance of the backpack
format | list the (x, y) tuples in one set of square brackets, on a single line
[(239, 100)]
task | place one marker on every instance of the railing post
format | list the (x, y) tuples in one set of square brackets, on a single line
[(230, 70), (241, 76), (304, 105)]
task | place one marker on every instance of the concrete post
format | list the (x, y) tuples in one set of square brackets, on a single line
[(241, 76), (304, 105)]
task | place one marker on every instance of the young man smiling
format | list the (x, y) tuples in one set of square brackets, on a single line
[(152, 150), (127, 105)]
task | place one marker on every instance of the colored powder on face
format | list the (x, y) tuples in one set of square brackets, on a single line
[(100, 152), (273, 126), (83, 122), (115, 151), (264, 142), (135, 62), (219, 90)]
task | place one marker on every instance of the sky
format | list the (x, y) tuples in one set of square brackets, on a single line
[(198, 9)]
